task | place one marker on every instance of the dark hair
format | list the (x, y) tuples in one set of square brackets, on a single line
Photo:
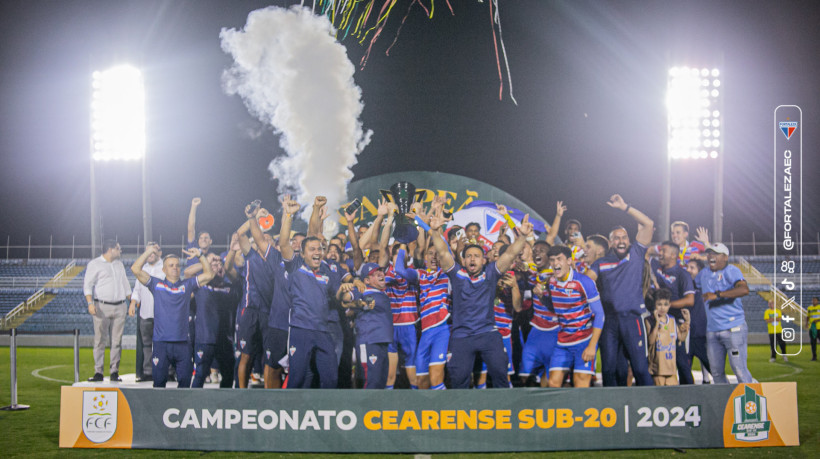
[(571, 221), (662, 294), (599, 240), (473, 224), (109, 244), (672, 245), (170, 255), (503, 249), (451, 232), (302, 234), (337, 248), (309, 239), (556, 250), (199, 235), (471, 246), (699, 263), (541, 241)]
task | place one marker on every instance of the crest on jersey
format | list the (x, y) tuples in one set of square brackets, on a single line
[(373, 359)]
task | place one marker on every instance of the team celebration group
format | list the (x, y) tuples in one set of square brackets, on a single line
[(448, 309)]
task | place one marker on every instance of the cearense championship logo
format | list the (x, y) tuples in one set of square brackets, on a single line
[(99, 415), (751, 420)]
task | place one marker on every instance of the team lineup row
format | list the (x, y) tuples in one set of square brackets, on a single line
[(440, 306)]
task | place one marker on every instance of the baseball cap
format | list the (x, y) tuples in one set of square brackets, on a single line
[(718, 248), (368, 269)]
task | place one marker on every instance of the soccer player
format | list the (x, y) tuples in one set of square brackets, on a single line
[(172, 298), (695, 250), (723, 285), (620, 275), (434, 299), (579, 311), (473, 331), (261, 259), (203, 239), (216, 302), (374, 325), (310, 287), (672, 276)]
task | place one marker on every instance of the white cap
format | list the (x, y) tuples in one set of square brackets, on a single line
[(718, 248)]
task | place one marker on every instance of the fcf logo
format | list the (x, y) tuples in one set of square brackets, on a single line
[(99, 415)]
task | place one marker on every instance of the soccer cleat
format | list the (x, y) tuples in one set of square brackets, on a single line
[(115, 377), (98, 377)]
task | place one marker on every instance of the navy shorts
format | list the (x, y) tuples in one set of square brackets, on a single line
[(404, 343), (275, 343), (432, 348), (249, 327), (565, 358), (538, 350)]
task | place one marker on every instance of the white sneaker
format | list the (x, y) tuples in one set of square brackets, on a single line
[(785, 358), (772, 359)]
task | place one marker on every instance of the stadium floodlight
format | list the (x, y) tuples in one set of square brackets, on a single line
[(118, 133), (118, 114), (691, 103)]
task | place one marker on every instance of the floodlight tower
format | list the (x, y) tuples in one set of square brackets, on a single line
[(694, 108), (118, 133)]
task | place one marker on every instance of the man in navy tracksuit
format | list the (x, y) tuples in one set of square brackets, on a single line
[(473, 293), (620, 277), (374, 325), (310, 285), (172, 300), (216, 302)]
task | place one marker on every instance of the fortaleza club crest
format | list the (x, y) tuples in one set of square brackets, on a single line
[(373, 359), (788, 128), (99, 415), (751, 419)]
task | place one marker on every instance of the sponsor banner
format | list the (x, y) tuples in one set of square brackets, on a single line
[(409, 421)]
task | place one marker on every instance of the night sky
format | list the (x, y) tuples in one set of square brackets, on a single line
[(589, 78)]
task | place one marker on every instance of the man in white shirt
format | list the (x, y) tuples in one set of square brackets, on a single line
[(144, 300), (106, 291)]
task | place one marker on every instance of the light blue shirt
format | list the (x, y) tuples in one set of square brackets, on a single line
[(721, 313)]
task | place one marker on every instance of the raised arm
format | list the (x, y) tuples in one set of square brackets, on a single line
[(384, 238), (136, 268), (192, 219), (446, 260), (358, 256), (256, 231), (230, 258), (506, 260), (370, 235), (289, 208), (560, 208), (207, 272), (645, 224), (315, 222), (410, 275)]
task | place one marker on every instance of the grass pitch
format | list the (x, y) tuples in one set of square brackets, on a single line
[(41, 372)]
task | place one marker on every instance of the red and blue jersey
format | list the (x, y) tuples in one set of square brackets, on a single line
[(542, 317), (402, 296), (687, 251), (578, 307), (434, 292), (503, 315)]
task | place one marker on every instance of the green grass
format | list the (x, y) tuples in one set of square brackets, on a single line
[(34, 433)]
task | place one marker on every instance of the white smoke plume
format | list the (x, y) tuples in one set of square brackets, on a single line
[(293, 75)]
